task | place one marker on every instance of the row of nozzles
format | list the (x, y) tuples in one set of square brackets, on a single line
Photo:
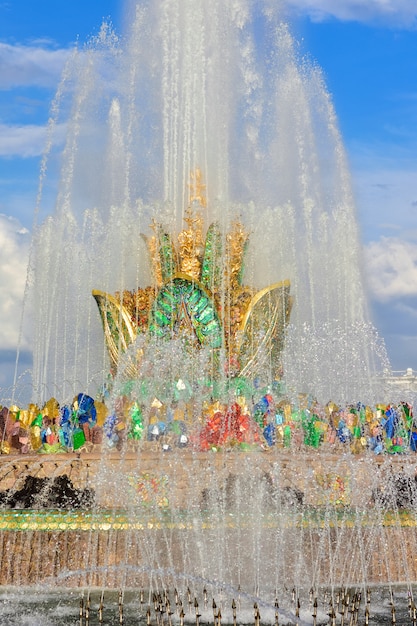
[(343, 607)]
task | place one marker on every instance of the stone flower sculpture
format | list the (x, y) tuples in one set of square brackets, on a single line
[(198, 293)]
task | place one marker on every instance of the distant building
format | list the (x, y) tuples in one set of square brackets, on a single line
[(403, 380)]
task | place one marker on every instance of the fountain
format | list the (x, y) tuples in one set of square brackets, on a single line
[(225, 93), (229, 429)]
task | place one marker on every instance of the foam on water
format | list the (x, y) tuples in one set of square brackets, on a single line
[(33, 607)]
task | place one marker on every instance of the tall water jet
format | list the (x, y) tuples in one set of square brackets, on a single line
[(220, 89)]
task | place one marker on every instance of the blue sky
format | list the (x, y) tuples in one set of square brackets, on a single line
[(367, 50)]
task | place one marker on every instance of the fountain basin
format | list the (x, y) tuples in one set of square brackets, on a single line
[(315, 519)]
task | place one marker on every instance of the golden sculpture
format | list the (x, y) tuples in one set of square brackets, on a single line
[(197, 189), (199, 292)]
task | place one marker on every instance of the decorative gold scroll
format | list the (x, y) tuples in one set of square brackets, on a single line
[(263, 326), (117, 325)]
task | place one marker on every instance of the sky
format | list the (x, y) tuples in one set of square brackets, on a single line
[(367, 50)]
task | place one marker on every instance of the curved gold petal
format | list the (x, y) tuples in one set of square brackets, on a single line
[(261, 334), (117, 325)]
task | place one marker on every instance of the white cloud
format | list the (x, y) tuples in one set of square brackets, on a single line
[(391, 12), (30, 65), (26, 140), (391, 266), (385, 185), (14, 252)]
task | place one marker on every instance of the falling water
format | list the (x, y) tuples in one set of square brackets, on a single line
[(221, 88), (218, 86)]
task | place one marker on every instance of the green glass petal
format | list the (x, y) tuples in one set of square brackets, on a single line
[(211, 267), (186, 299), (194, 297), (160, 318), (205, 316), (242, 266), (166, 254)]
